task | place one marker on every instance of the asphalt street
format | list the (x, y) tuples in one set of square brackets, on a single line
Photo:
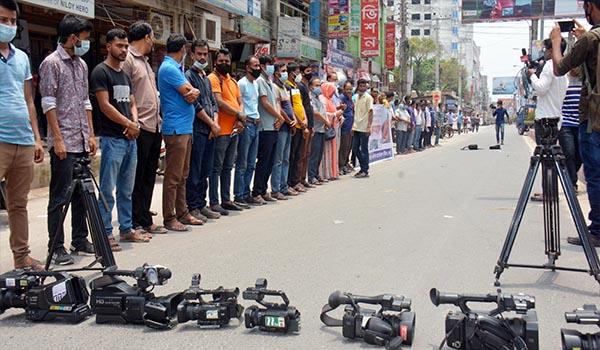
[(431, 219)]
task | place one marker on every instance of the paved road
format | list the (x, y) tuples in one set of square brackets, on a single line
[(431, 219)]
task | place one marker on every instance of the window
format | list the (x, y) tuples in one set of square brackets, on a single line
[(454, 14), (415, 2), (415, 32), (455, 1), (416, 17), (454, 46), (426, 32), (427, 16), (454, 30), (390, 3), (427, 2)]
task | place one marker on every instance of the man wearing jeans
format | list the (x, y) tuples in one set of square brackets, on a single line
[(585, 53), (363, 118), (500, 113), (248, 140), (19, 138), (65, 100), (118, 130)]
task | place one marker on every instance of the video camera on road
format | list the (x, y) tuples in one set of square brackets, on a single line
[(115, 301), (66, 298), (212, 313), (574, 340), (274, 317), (468, 329), (392, 326)]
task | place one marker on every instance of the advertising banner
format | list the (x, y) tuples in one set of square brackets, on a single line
[(502, 10), (339, 19), (369, 31), (390, 45), (381, 146), (289, 37), (83, 8), (503, 86), (354, 16)]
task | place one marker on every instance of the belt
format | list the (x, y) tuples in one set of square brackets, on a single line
[(253, 121)]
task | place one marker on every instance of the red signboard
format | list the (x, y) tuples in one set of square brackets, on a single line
[(369, 28), (390, 45)]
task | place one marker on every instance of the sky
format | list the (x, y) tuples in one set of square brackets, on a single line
[(501, 44)]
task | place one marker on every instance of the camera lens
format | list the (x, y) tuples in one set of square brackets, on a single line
[(251, 316), (574, 340)]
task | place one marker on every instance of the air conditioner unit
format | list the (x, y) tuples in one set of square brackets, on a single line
[(210, 30), (161, 26)]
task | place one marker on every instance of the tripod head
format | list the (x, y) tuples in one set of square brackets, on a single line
[(82, 168), (548, 131)]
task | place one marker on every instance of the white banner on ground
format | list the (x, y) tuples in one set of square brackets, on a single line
[(381, 146)]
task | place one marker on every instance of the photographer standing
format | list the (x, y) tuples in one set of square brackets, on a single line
[(585, 53), (500, 113)]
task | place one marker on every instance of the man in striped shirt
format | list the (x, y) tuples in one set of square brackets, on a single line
[(568, 134)]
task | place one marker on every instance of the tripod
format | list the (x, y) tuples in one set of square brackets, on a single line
[(83, 180), (552, 159)]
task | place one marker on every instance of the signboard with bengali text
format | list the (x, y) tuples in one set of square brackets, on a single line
[(369, 31)]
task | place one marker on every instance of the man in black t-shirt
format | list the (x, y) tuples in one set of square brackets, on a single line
[(119, 128)]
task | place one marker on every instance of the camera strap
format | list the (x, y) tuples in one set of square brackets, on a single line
[(328, 320)]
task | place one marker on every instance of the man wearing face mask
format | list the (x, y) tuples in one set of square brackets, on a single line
[(231, 120), (177, 97), (65, 100), (585, 53), (206, 129), (19, 138), (143, 82), (270, 122), (318, 141), (302, 80), (248, 140), (302, 131)]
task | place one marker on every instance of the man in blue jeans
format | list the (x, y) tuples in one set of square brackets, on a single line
[(247, 148), (500, 113), (363, 118), (118, 129), (584, 53)]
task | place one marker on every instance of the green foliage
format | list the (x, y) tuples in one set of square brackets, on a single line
[(449, 75), (419, 53)]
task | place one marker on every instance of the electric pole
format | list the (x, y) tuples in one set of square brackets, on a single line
[(403, 49)]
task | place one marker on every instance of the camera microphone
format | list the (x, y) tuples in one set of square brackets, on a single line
[(524, 51)]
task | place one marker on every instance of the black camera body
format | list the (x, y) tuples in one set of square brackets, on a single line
[(66, 298), (391, 326), (475, 330), (574, 340), (274, 317), (213, 313), (115, 301)]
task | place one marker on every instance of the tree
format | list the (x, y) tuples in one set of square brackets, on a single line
[(449, 75), (419, 52)]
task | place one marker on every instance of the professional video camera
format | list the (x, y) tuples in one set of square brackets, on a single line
[(113, 300), (489, 330), (214, 313), (66, 298), (572, 339), (275, 317), (391, 326)]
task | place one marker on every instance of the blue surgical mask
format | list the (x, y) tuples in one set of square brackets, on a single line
[(83, 49), (182, 63), (200, 66), (317, 91), (7, 33), (270, 70), (284, 77)]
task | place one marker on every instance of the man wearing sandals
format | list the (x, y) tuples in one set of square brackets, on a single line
[(118, 131), (177, 96), (19, 138)]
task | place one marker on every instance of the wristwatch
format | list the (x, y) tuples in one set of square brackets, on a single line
[(137, 122), (240, 115)]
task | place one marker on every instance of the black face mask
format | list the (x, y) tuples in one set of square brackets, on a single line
[(308, 76), (223, 68), (255, 73)]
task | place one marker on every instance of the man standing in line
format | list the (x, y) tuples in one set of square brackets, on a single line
[(247, 149), (177, 96), (363, 118), (500, 113), (306, 75), (118, 131), (20, 141), (65, 100), (346, 129), (439, 123), (318, 140), (270, 122), (206, 129), (302, 132), (231, 120), (143, 83)]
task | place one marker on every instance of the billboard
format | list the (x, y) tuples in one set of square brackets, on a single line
[(503, 10), (503, 86), (339, 19), (369, 33)]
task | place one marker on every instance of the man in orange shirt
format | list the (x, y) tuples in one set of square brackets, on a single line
[(231, 120)]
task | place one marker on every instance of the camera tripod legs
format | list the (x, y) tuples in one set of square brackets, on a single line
[(553, 169)]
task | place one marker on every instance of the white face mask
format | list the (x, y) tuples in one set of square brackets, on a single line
[(298, 78), (7, 33)]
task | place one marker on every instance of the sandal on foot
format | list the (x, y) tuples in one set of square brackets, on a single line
[(143, 232), (176, 226), (114, 246), (133, 237), (155, 229), (190, 220)]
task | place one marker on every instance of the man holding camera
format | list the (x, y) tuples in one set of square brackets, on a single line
[(585, 53)]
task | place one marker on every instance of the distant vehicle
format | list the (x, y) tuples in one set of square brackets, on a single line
[(525, 118)]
